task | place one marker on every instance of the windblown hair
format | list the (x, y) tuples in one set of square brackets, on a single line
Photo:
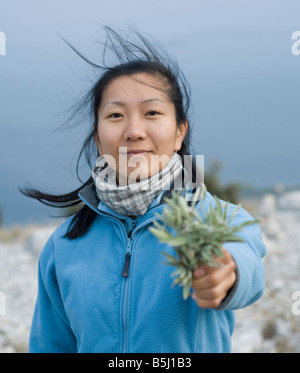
[(129, 57)]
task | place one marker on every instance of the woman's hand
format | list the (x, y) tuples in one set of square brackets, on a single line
[(211, 284)]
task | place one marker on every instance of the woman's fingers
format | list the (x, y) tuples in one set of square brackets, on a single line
[(211, 284)]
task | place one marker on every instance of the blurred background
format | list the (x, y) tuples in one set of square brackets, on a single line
[(244, 74)]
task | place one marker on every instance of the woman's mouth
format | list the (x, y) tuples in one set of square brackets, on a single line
[(136, 153)]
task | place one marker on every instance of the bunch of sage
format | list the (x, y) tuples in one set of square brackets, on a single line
[(197, 240)]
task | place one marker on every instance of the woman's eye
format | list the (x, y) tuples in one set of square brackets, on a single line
[(115, 115), (152, 113)]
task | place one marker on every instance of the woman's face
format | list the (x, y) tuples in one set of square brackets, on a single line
[(137, 129)]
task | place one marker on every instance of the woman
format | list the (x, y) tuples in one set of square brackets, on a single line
[(102, 284)]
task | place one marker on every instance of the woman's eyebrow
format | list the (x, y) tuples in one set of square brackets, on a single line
[(152, 99), (120, 103)]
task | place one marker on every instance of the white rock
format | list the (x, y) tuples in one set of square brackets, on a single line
[(289, 201), (36, 240), (267, 206)]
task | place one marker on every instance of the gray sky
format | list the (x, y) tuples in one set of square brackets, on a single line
[(236, 56)]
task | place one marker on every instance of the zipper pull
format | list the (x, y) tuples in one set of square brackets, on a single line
[(125, 271)]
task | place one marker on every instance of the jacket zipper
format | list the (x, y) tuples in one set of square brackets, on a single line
[(126, 266), (125, 271), (125, 274)]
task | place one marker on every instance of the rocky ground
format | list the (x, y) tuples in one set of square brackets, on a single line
[(273, 323), (270, 325), (19, 250)]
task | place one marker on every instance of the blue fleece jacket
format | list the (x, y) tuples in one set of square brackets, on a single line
[(84, 304)]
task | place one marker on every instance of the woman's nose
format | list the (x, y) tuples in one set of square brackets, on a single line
[(135, 129)]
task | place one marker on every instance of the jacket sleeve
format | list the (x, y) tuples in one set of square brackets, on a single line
[(50, 329), (250, 277)]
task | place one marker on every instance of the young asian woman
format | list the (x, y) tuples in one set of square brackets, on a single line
[(103, 286)]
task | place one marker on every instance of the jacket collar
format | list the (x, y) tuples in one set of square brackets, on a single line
[(89, 196)]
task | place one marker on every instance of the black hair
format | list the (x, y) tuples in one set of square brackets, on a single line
[(136, 56)]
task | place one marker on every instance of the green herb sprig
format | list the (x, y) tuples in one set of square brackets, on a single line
[(197, 241)]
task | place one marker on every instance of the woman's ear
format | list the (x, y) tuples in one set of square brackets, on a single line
[(180, 135), (97, 141)]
